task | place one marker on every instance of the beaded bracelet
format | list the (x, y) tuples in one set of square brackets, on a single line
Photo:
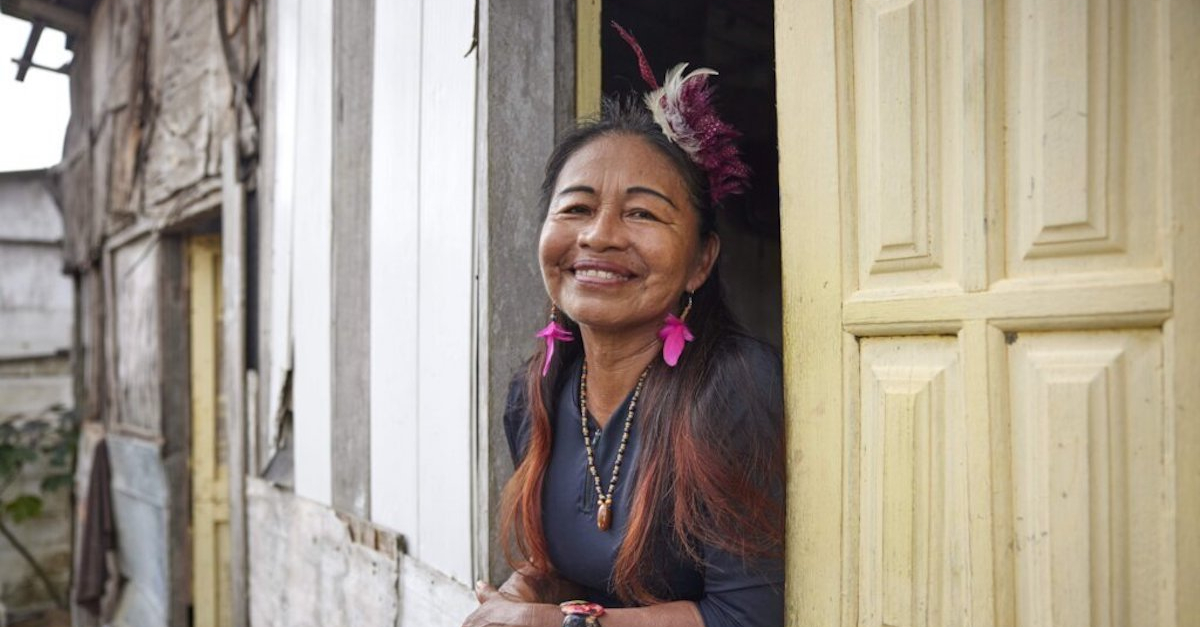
[(581, 613)]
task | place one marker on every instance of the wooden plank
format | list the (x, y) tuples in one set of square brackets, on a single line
[(587, 57), (233, 371), (310, 566), (311, 278), (1022, 306), (1183, 330), (445, 287), (49, 13), (135, 347), (524, 96), (812, 297), (257, 402), (280, 162), (175, 408), (353, 31), (395, 218), (204, 259), (979, 459)]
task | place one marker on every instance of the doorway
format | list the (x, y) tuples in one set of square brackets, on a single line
[(737, 40), (211, 585)]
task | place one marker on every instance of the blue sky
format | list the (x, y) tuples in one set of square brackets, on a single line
[(33, 114)]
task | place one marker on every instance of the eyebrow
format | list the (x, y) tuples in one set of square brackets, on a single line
[(632, 190), (647, 190)]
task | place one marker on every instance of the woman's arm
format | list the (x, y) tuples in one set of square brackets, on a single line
[(497, 609)]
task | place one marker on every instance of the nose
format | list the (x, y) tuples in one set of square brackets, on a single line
[(604, 231)]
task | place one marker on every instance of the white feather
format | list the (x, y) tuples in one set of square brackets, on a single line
[(664, 106)]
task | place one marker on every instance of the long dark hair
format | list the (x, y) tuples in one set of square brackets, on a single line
[(704, 477)]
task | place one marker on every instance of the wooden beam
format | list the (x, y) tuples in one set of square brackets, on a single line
[(52, 15), (233, 272), (26, 60), (65, 69), (587, 57), (810, 200), (353, 47), (1183, 331)]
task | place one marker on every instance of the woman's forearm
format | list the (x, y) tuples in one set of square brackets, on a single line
[(673, 614), (542, 593)]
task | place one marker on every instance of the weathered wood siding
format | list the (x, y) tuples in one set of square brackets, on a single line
[(156, 88), (315, 567)]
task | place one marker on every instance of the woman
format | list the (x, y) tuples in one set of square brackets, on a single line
[(647, 431)]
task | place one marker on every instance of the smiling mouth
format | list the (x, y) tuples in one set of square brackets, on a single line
[(601, 275)]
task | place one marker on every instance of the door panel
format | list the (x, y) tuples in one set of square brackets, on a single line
[(1088, 477), (917, 124), (913, 509), (982, 297), (1085, 135)]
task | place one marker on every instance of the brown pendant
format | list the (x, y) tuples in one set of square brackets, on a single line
[(604, 516)]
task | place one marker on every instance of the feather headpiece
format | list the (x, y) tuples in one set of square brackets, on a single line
[(683, 108)]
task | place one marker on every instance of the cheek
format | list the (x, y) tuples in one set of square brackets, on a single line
[(676, 258), (549, 251)]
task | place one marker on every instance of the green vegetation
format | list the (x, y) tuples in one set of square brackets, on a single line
[(45, 442)]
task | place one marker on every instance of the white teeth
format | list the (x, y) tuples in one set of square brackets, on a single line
[(592, 273)]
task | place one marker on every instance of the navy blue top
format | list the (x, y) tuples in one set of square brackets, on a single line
[(728, 590)]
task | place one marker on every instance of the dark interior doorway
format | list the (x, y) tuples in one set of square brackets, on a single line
[(736, 38)]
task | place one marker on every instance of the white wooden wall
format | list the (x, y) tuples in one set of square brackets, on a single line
[(284, 107), (422, 284), (422, 366), (311, 250)]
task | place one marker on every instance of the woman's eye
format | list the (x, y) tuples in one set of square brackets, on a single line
[(642, 214), (576, 209)]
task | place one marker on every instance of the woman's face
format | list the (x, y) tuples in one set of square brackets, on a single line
[(621, 241)]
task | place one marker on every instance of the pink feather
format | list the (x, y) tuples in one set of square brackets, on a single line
[(675, 335), (553, 332)]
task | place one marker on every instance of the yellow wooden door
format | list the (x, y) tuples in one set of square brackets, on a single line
[(210, 491), (991, 226)]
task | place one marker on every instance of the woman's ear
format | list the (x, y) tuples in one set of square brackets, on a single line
[(710, 249)]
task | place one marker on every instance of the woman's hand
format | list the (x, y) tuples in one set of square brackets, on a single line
[(500, 609)]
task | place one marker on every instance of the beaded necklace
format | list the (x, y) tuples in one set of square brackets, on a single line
[(604, 501)]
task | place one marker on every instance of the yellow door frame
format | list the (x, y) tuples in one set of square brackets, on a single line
[(209, 476), (587, 58)]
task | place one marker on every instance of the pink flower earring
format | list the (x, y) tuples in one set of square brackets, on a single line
[(675, 334), (553, 332)]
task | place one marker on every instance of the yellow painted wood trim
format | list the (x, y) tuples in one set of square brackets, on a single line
[(976, 341), (1145, 304), (210, 498), (1003, 597), (1182, 332), (587, 58), (812, 296)]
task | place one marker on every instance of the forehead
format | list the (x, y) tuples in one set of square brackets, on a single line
[(623, 160)]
